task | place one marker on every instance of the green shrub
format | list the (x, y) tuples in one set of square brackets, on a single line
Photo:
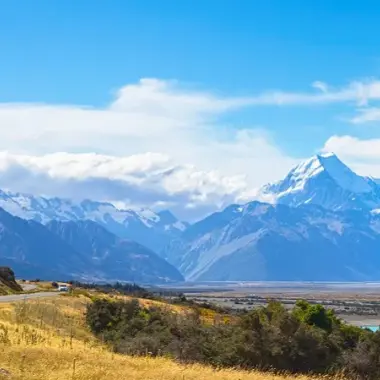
[(310, 339)]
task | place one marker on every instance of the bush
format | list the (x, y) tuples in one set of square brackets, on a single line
[(310, 339), (127, 288)]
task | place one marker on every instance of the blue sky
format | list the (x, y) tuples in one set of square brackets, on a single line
[(83, 53)]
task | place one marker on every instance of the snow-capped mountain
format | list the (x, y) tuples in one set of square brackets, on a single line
[(326, 181), (111, 257), (154, 230), (321, 222), (257, 242), (82, 250)]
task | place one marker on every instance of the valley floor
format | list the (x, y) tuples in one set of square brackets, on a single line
[(356, 303), (47, 339)]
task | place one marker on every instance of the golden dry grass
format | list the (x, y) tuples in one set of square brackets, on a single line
[(4, 290), (207, 315), (48, 339)]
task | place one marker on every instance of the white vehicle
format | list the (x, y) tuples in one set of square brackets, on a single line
[(63, 288)]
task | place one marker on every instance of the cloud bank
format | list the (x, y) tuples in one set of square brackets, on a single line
[(161, 144), (156, 144)]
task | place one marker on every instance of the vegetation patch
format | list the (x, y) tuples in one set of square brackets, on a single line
[(8, 284), (309, 339), (49, 339)]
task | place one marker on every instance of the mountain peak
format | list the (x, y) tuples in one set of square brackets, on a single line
[(324, 180), (331, 165), (316, 164), (330, 161), (167, 217), (327, 155)]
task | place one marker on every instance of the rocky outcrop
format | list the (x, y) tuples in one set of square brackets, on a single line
[(8, 282)]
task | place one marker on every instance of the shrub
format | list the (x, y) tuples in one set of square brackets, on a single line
[(310, 339)]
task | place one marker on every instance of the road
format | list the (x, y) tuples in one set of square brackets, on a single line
[(22, 297)]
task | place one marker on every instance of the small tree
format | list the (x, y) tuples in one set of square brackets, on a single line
[(315, 315)]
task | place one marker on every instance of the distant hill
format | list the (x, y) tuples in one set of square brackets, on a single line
[(8, 282)]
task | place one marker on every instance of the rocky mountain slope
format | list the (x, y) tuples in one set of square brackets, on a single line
[(260, 241), (326, 181), (321, 222), (144, 226), (8, 282), (112, 256), (76, 250)]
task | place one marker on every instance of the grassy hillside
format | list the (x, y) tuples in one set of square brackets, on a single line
[(48, 339), (8, 284)]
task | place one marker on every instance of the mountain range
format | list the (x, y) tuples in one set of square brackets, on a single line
[(320, 223), (82, 250), (154, 230), (260, 242)]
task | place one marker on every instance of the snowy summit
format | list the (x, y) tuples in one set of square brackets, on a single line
[(324, 180)]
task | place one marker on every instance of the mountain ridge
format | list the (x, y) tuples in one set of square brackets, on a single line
[(323, 223), (144, 226), (277, 242), (324, 180), (119, 258), (77, 250)]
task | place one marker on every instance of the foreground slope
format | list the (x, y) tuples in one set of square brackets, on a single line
[(48, 340), (260, 241)]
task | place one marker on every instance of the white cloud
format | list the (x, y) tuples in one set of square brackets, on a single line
[(167, 98), (360, 92), (366, 115), (144, 113), (322, 86), (363, 156), (157, 143), (353, 148), (148, 179)]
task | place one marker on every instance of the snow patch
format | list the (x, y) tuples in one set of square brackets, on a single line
[(179, 226), (343, 175), (43, 210), (323, 180)]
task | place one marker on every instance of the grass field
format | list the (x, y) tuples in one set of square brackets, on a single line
[(4, 290), (48, 339)]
